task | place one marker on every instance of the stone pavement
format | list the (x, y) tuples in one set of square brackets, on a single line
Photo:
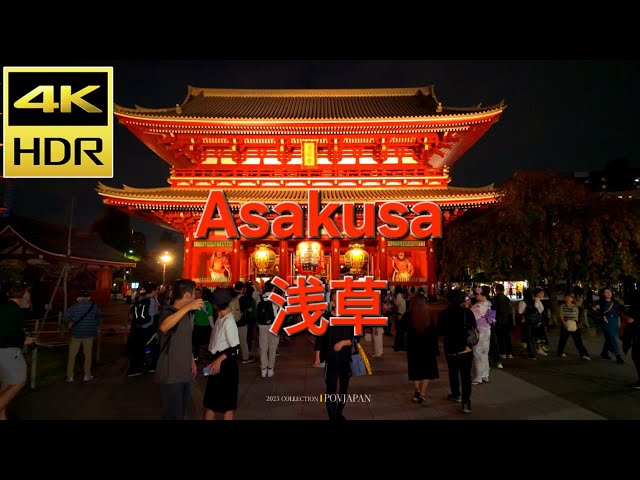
[(550, 388)]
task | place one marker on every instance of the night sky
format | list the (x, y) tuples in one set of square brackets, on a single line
[(561, 115)]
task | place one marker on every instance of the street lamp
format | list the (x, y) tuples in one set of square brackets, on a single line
[(165, 258)]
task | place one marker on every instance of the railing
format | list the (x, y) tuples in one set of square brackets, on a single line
[(59, 337)]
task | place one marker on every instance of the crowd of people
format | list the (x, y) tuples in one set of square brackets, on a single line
[(180, 330)]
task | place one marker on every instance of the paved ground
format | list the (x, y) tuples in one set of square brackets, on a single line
[(549, 388)]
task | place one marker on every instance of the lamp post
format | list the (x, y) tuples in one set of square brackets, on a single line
[(165, 258)]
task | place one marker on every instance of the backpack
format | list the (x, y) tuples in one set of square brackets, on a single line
[(265, 312), (532, 316), (141, 317)]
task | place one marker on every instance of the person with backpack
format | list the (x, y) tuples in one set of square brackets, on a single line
[(531, 309), (142, 346), (268, 341)]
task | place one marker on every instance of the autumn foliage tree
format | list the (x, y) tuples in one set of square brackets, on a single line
[(545, 226)]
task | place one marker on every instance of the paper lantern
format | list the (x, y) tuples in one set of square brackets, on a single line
[(356, 259), (263, 259), (309, 258)]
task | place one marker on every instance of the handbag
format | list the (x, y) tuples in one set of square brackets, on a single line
[(473, 335), (571, 325), (359, 361)]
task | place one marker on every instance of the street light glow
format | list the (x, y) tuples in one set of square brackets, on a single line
[(165, 258)]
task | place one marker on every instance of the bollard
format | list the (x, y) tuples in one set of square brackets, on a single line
[(34, 362), (99, 345)]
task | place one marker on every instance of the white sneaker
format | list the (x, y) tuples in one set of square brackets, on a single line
[(564, 355), (585, 357), (87, 378), (69, 380), (269, 372), (263, 372), (485, 379), (542, 353), (499, 365), (509, 356), (476, 383)]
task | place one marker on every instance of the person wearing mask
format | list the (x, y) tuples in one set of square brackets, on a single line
[(176, 366), (13, 368), (453, 323), (221, 394)]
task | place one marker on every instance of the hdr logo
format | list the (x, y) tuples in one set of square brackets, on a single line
[(58, 122)]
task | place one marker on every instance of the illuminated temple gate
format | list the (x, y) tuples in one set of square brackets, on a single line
[(270, 146)]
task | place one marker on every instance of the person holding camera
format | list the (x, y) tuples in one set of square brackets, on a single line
[(176, 366), (13, 368)]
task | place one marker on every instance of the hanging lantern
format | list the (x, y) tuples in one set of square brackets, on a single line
[(263, 259), (356, 258), (309, 258)]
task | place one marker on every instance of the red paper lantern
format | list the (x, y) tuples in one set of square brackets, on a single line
[(309, 258)]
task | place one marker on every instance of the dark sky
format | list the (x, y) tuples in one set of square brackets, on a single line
[(562, 115)]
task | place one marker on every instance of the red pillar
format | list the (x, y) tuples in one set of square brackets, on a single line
[(187, 269), (283, 264), (103, 284), (431, 268), (335, 259), (235, 262), (382, 253)]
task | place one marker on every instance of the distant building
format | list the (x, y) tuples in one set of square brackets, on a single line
[(41, 248)]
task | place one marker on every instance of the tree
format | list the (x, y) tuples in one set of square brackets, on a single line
[(114, 228), (545, 227)]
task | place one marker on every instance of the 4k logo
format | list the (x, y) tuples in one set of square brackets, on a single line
[(58, 122)]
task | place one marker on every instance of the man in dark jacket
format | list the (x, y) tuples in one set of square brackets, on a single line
[(453, 323)]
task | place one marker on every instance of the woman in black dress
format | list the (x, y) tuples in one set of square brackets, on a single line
[(422, 348)]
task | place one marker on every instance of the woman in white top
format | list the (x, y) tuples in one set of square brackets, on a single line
[(221, 395)]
